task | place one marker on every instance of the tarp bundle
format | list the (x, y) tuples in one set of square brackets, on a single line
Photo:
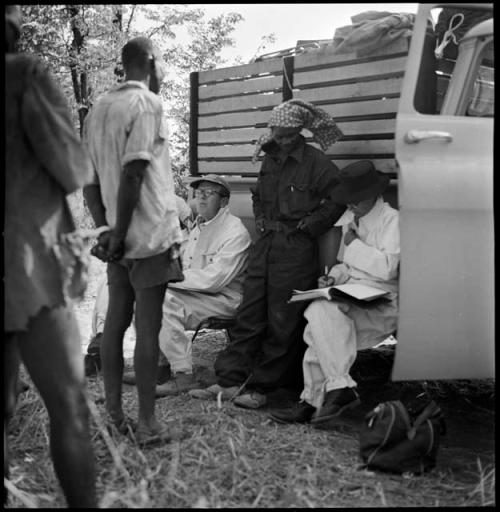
[(371, 31)]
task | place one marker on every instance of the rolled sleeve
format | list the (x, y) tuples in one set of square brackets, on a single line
[(144, 133), (371, 260), (340, 273)]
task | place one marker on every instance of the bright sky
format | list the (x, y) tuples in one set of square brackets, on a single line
[(291, 22)]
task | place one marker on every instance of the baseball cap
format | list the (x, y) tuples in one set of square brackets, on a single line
[(212, 178)]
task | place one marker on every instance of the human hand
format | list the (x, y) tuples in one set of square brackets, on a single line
[(302, 223), (325, 281), (108, 247), (116, 247), (350, 236), (100, 250)]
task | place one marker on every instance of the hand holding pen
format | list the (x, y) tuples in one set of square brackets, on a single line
[(325, 280)]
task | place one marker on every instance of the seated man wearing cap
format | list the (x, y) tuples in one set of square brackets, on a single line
[(214, 261), (368, 254)]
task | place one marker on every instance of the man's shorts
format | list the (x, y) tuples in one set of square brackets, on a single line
[(147, 272)]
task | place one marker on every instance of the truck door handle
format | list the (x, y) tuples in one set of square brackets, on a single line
[(414, 136)]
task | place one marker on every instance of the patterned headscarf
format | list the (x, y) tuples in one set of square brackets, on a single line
[(301, 114)]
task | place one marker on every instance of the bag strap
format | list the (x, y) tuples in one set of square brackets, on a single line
[(432, 409)]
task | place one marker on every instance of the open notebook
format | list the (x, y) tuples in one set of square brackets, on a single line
[(359, 292)]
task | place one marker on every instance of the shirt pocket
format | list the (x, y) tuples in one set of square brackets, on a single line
[(300, 198), (208, 258)]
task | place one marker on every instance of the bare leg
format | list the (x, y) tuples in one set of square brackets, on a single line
[(10, 375), (148, 314), (118, 318), (51, 352)]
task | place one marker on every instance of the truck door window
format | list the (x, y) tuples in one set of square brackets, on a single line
[(450, 26), (482, 99)]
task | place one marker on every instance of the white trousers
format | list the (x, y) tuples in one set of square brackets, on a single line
[(182, 310), (333, 334)]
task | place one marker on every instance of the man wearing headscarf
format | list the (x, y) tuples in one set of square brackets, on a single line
[(292, 209), (44, 162)]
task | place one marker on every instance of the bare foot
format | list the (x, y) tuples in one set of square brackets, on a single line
[(155, 433)]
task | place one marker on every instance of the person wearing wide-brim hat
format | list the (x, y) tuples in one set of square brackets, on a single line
[(369, 254)]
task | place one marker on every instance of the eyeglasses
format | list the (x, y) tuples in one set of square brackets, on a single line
[(206, 192)]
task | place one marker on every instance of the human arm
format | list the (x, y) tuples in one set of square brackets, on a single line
[(257, 209), (222, 267), (382, 261), (327, 213), (128, 196)]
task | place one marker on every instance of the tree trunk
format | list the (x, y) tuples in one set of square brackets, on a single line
[(78, 75)]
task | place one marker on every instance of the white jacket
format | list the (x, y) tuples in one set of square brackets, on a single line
[(373, 258), (214, 258)]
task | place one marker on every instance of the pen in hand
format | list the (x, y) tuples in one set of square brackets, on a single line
[(326, 280)]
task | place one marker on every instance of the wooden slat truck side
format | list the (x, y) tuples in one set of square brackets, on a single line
[(230, 108), (427, 123)]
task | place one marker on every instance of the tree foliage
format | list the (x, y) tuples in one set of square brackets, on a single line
[(82, 45)]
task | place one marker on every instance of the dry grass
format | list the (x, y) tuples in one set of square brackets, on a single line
[(236, 458)]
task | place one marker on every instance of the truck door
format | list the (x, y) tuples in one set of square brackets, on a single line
[(446, 326)]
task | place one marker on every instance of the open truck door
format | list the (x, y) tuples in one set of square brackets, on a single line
[(445, 187)]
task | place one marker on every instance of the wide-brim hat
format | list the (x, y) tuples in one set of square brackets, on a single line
[(359, 181), (212, 178)]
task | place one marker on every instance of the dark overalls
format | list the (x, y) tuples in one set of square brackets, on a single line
[(266, 340)]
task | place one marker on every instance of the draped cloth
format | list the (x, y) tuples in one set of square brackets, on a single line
[(297, 113)]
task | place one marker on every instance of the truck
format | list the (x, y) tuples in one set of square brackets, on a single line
[(428, 123)]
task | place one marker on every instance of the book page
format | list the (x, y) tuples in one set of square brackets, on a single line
[(361, 291), (321, 291)]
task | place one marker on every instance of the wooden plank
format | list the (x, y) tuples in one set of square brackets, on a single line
[(356, 72), (353, 128), (235, 103), (357, 147), (362, 108), (234, 120), (339, 92), (326, 57), (236, 168), (239, 135), (355, 109), (385, 146), (247, 168), (269, 66), (268, 83), (243, 135)]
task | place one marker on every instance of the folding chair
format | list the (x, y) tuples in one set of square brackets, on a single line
[(215, 323)]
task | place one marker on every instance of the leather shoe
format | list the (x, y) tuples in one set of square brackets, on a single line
[(163, 375), (300, 413), (334, 404), (250, 400), (179, 383)]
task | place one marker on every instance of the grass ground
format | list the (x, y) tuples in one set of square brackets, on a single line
[(232, 457)]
